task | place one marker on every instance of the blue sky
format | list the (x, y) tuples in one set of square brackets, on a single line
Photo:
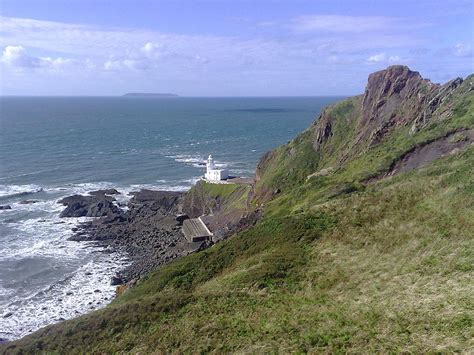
[(226, 48)]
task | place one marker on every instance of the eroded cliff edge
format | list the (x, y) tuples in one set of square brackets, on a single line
[(398, 112)]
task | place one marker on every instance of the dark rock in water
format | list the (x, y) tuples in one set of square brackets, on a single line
[(27, 202), (148, 232), (89, 206), (104, 192), (5, 207), (116, 280)]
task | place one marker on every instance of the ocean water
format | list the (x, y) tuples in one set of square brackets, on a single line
[(51, 147)]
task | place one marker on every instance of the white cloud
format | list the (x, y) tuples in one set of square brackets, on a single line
[(384, 58), (351, 24), (462, 50), (126, 64), (152, 50), (376, 58), (336, 23), (310, 48), (102, 42), (16, 57)]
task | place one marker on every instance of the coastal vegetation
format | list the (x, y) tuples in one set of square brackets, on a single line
[(365, 244)]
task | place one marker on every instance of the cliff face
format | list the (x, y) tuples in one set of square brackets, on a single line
[(397, 102), (394, 97)]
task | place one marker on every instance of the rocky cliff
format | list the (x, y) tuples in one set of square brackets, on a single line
[(397, 104)]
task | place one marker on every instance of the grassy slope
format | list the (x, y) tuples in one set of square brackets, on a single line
[(292, 163), (333, 266), (217, 197)]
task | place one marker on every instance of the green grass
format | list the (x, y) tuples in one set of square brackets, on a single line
[(388, 269), (334, 266), (212, 198), (291, 164)]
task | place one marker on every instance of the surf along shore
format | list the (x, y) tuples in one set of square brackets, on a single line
[(148, 228)]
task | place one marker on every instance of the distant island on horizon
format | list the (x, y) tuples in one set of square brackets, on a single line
[(150, 94)]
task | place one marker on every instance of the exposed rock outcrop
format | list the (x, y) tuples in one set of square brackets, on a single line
[(104, 192), (148, 231), (429, 151), (165, 201), (398, 96), (393, 97), (396, 101), (89, 206)]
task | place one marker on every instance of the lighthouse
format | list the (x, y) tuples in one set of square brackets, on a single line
[(213, 174)]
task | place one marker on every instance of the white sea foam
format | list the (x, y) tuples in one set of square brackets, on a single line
[(18, 190), (82, 188), (161, 187), (86, 289), (190, 159), (192, 180), (6, 292), (44, 236), (38, 205), (35, 232), (196, 161)]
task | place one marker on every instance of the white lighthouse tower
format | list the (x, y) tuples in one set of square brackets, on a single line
[(213, 174)]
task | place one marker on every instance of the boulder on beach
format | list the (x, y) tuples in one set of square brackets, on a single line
[(116, 280), (166, 201), (89, 206)]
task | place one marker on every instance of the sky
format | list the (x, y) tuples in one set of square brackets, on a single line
[(227, 47)]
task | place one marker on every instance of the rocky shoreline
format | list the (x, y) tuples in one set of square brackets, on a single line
[(147, 228)]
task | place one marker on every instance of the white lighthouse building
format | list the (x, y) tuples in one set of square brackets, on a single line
[(213, 174)]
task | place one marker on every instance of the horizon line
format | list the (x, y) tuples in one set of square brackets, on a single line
[(182, 97)]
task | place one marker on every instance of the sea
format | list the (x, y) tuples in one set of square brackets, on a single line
[(52, 147)]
